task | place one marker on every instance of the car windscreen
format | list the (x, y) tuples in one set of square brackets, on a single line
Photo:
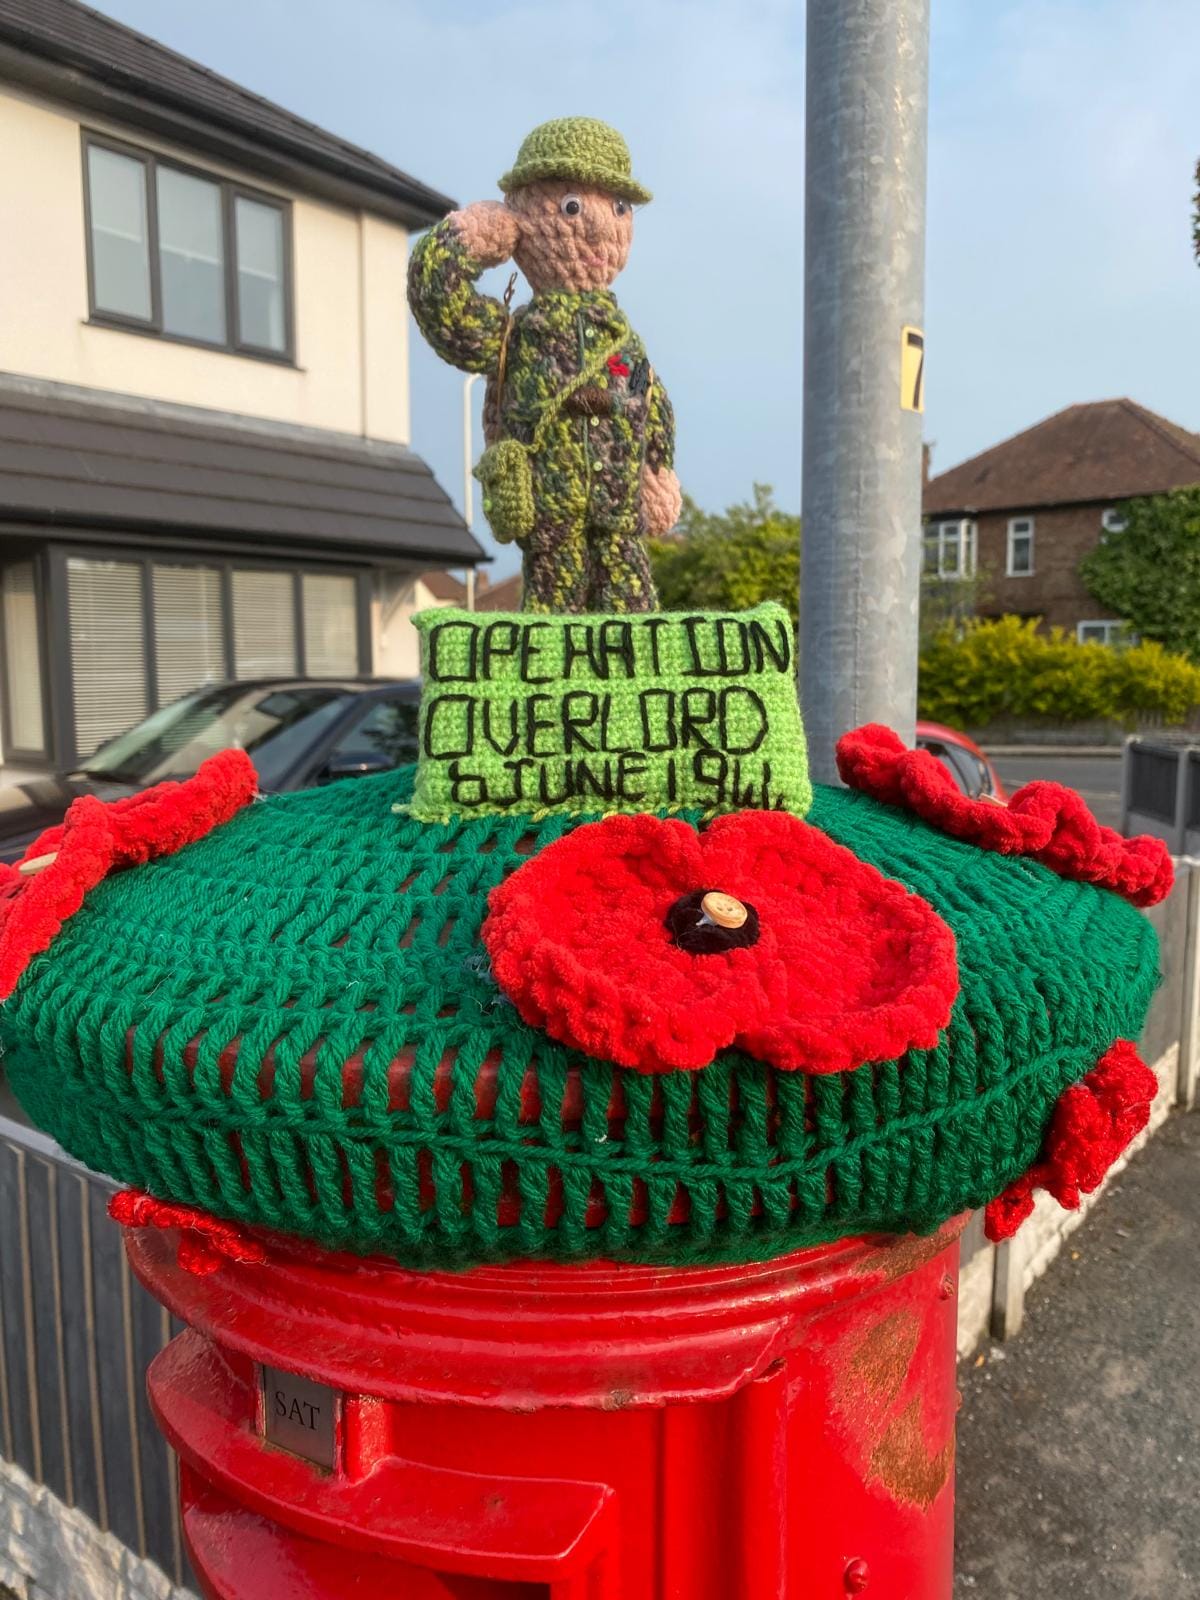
[(273, 726)]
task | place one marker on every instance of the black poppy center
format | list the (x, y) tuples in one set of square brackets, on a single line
[(694, 931)]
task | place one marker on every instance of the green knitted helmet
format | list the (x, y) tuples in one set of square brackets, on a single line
[(581, 148), (293, 1022)]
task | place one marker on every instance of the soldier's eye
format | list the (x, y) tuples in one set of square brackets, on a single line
[(620, 207), (570, 205)]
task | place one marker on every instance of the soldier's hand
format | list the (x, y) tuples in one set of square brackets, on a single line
[(662, 500), (489, 230)]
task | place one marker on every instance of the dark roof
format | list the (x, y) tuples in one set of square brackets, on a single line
[(1102, 452), (85, 464), (502, 596), (68, 50)]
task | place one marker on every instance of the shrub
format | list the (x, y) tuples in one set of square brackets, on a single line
[(988, 671)]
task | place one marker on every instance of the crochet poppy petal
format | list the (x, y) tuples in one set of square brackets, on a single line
[(845, 966), (1094, 1122), (205, 1241), (1045, 821), (94, 839)]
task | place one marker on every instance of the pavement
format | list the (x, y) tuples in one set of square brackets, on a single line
[(1078, 1462), (1097, 777)]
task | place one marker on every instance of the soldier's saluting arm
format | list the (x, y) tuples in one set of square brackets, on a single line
[(463, 326)]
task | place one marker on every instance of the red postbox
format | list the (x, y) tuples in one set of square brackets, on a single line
[(767, 1432)]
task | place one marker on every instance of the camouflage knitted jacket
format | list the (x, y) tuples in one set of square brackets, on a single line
[(588, 467)]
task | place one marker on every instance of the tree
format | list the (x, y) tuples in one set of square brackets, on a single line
[(729, 560), (1149, 572)]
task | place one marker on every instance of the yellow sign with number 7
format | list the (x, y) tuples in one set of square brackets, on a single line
[(912, 369)]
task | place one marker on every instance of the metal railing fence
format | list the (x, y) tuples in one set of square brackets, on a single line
[(77, 1332)]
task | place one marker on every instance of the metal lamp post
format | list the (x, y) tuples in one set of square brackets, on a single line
[(864, 270)]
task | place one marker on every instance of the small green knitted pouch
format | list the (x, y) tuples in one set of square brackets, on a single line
[(505, 469)]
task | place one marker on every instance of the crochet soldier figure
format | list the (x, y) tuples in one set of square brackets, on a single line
[(579, 428)]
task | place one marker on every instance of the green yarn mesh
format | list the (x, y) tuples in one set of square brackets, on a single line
[(291, 1022)]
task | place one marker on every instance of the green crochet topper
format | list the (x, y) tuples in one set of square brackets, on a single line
[(580, 432), (294, 1022)]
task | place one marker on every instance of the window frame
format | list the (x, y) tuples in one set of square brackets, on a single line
[(1013, 523), (15, 754), (963, 532), (230, 189), (1111, 625), (58, 699)]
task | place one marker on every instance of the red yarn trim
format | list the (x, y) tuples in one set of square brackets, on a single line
[(1094, 1121), (94, 839), (848, 966), (205, 1242), (1046, 821)]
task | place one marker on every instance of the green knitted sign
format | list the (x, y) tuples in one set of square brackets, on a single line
[(524, 712)]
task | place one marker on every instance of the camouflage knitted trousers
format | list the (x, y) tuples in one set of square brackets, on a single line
[(573, 566)]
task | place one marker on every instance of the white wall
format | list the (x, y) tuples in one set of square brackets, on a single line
[(351, 371), (395, 643)]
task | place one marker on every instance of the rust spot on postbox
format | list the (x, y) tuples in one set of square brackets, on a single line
[(904, 1464), (881, 1359)]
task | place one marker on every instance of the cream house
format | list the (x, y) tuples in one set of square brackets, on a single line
[(204, 408)]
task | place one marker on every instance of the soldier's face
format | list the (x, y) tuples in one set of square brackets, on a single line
[(572, 237)]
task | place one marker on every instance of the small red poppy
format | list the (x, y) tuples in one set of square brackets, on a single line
[(617, 367), (1045, 821), (601, 940), (95, 838), (1093, 1123)]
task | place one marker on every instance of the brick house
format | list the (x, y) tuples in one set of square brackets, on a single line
[(1025, 512)]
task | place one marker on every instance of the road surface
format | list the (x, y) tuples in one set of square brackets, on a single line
[(1098, 778)]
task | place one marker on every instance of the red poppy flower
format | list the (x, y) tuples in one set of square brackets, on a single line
[(204, 1241), (1093, 1123), (617, 367), (1045, 821), (95, 838), (602, 941)]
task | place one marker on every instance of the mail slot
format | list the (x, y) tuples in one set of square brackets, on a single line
[(780, 1430)]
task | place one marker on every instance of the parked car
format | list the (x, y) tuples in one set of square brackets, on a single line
[(963, 759), (298, 732)]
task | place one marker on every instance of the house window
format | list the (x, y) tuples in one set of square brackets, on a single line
[(144, 632), (330, 625), (189, 635), (1020, 547), (108, 649), (264, 625), (1101, 633), (950, 549), (1113, 520), (26, 731), (183, 254), (119, 233), (191, 256)]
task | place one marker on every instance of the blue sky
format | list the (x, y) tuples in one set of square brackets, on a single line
[(1063, 137)]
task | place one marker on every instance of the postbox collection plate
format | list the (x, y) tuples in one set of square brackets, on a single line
[(300, 1416)]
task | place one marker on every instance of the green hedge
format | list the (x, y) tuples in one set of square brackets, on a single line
[(987, 672)]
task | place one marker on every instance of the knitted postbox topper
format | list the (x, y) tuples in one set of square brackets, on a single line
[(604, 977)]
